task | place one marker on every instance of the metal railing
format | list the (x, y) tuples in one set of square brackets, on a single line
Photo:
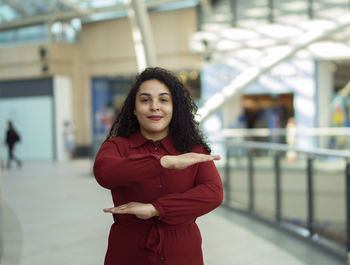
[(246, 160)]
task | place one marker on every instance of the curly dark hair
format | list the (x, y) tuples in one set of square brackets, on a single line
[(183, 128)]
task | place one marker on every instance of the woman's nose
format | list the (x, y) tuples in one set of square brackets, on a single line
[(155, 105)]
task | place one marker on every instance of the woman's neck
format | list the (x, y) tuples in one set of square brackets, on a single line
[(154, 136)]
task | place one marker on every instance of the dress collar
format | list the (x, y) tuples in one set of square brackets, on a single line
[(137, 140)]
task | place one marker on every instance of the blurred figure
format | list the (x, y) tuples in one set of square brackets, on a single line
[(291, 137), (69, 138), (12, 138), (107, 117)]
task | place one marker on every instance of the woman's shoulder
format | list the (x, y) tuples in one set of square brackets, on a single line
[(119, 140), (120, 143), (199, 149)]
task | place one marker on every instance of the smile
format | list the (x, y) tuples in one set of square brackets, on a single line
[(155, 118)]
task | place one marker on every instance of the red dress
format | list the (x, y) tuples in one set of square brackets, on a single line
[(130, 168)]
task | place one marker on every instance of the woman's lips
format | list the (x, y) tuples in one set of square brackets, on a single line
[(155, 118)]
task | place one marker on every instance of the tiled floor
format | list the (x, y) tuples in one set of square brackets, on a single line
[(52, 214)]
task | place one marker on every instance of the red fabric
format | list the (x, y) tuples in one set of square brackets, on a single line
[(130, 168)]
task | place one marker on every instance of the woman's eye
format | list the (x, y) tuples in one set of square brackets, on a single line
[(164, 100), (144, 100)]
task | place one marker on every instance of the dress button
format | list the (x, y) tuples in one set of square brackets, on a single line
[(160, 186), (157, 156), (156, 148), (161, 258)]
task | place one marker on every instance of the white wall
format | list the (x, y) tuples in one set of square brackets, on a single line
[(62, 87), (33, 119), (325, 84)]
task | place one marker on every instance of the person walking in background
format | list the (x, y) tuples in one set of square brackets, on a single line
[(69, 138), (12, 138), (160, 173)]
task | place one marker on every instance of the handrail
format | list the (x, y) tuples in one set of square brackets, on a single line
[(325, 131), (284, 147), (310, 232)]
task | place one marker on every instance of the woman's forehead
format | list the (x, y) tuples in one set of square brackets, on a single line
[(153, 87)]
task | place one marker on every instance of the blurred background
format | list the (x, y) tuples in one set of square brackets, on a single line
[(271, 79)]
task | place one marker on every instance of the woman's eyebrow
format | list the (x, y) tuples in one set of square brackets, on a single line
[(160, 94), (145, 94)]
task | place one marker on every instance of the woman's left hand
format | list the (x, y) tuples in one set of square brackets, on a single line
[(140, 210)]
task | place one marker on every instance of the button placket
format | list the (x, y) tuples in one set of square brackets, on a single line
[(157, 153)]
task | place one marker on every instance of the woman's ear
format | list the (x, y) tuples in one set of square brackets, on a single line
[(135, 112)]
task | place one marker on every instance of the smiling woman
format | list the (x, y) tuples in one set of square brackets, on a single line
[(161, 175)]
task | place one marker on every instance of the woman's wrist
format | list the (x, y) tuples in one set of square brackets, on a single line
[(154, 210), (165, 162)]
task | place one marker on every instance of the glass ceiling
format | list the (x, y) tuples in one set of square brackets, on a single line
[(17, 13), (320, 31), (16, 9)]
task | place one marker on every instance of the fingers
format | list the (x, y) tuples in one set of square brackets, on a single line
[(140, 210), (216, 157), (204, 158), (121, 209), (108, 210)]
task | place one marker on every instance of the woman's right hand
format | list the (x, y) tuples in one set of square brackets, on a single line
[(185, 160)]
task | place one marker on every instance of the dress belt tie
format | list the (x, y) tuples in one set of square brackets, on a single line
[(155, 237), (155, 240)]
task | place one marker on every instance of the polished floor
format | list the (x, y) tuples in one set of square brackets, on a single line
[(52, 214)]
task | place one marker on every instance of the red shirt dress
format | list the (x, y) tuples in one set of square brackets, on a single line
[(130, 168)]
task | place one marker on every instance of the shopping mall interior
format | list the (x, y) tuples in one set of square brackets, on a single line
[(270, 78)]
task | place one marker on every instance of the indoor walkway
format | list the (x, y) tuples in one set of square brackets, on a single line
[(52, 214)]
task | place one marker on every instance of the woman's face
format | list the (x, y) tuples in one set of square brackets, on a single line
[(153, 109)]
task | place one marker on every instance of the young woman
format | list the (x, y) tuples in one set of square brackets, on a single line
[(160, 173)]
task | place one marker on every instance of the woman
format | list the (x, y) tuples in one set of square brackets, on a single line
[(160, 173)]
